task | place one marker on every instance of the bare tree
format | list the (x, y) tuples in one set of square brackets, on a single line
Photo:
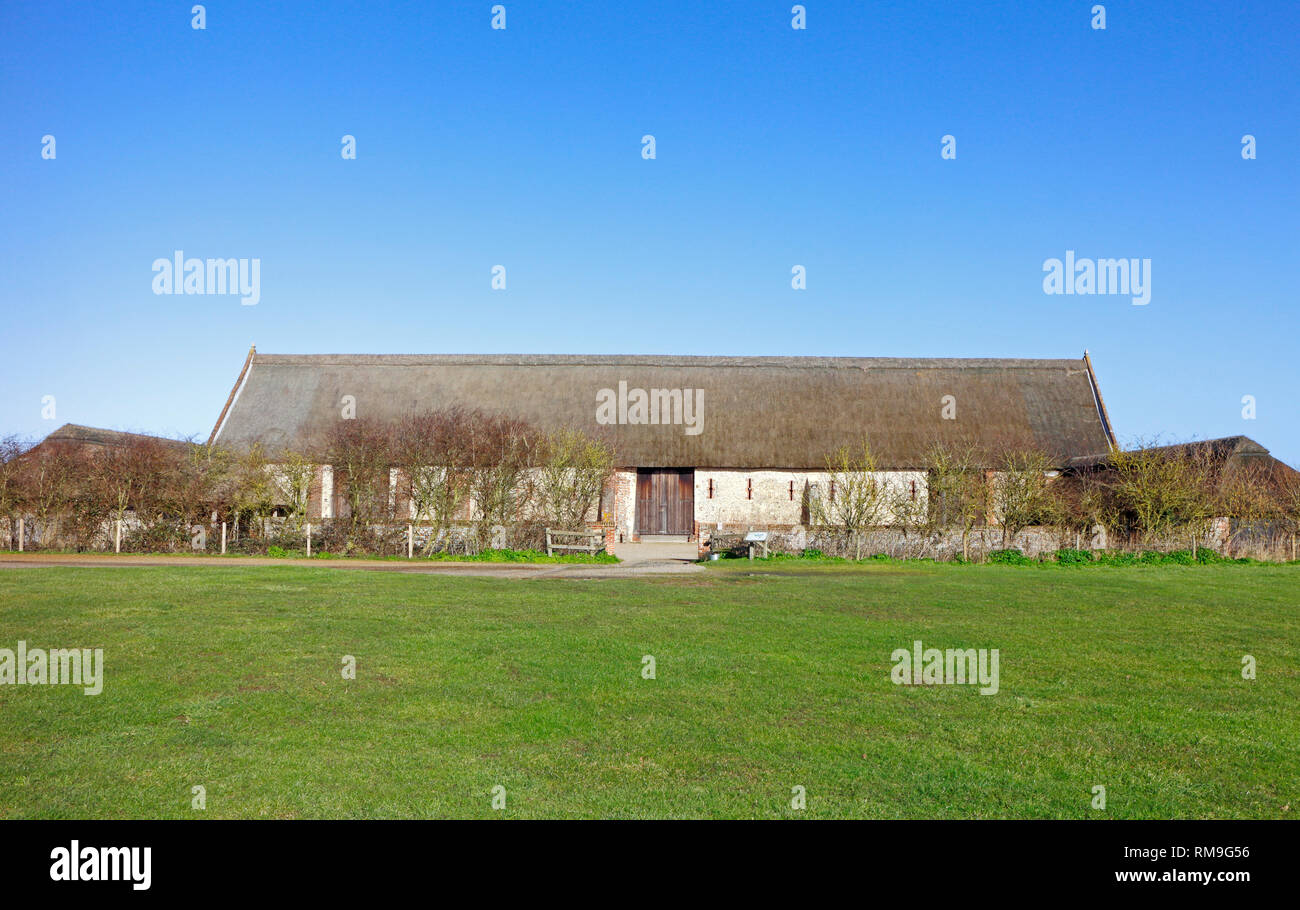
[(1022, 495), (86, 510), (501, 452), (1246, 497), (360, 451), (574, 472), (11, 493), (126, 476), (46, 480), (1286, 498), (1202, 476), (1151, 485), (908, 512), (251, 489), (432, 452), (190, 490), (959, 490), (293, 475), (857, 495)]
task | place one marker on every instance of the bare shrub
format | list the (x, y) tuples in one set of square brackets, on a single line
[(909, 513), (573, 475), (1286, 499), (361, 452), (250, 491), (46, 486), (12, 448), (1163, 491), (293, 476), (1150, 489), (1022, 496), (856, 497), (1084, 503), (1246, 498), (501, 452), (194, 485), (959, 490), (432, 451), (126, 477)]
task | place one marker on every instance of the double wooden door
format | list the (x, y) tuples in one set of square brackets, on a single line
[(665, 501)]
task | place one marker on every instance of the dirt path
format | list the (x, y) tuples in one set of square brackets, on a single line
[(415, 566)]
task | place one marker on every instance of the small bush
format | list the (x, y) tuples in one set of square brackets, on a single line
[(1068, 557), (277, 552), (1010, 558)]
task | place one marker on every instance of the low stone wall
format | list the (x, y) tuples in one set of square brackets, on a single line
[(1271, 544), (1033, 542)]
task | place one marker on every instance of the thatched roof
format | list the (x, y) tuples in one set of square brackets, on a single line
[(758, 412), (74, 434), (1227, 453)]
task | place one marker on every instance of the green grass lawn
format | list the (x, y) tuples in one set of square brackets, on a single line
[(767, 677)]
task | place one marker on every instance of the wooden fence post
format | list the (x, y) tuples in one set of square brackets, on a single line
[(549, 551), (21, 531), (117, 537), (223, 538), (309, 540), (410, 540)]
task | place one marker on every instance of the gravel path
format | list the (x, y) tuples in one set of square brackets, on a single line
[(631, 568)]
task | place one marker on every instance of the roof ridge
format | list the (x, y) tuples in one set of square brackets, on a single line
[(671, 360)]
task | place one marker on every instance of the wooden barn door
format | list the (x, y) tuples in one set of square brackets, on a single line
[(665, 502)]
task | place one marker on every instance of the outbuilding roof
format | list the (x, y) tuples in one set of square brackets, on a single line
[(74, 434), (1226, 452)]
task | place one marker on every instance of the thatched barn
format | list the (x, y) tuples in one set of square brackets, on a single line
[(702, 442)]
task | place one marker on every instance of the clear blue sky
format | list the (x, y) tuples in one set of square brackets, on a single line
[(775, 147)]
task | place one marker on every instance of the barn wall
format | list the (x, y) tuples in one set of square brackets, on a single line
[(771, 502), (624, 482), (327, 491)]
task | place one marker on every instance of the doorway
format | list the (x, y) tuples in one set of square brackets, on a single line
[(665, 502)]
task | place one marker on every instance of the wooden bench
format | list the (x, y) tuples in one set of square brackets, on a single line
[(584, 541)]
